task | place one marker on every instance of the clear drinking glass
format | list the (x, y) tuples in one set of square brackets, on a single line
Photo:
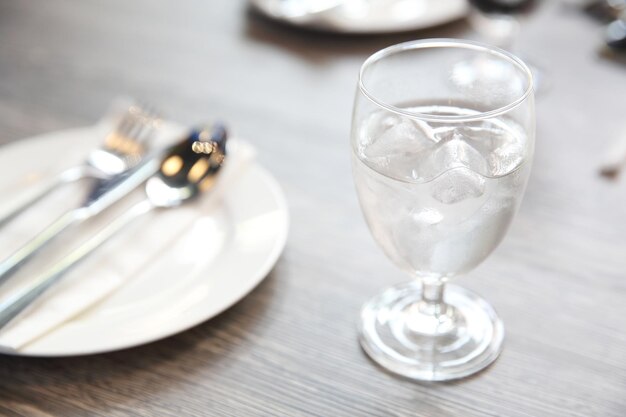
[(499, 23), (442, 143)]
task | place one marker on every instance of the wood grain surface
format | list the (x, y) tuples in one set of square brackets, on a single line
[(289, 348)]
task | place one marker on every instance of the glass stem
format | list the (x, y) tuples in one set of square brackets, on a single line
[(432, 302), (497, 29)]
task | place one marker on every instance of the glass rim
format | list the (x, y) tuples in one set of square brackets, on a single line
[(438, 43)]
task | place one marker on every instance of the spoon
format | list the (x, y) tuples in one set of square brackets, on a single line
[(188, 169)]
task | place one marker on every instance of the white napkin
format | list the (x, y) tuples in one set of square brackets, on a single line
[(73, 297)]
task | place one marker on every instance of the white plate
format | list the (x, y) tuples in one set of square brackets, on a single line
[(186, 265), (364, 16)]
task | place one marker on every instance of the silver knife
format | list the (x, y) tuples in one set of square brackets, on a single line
[(105, 193)]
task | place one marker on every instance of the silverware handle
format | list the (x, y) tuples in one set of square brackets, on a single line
[(17, 259), (15, 304), (65, 177), (116, 190)]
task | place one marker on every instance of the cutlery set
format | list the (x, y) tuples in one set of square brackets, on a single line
[(122, 149), (124, 162)]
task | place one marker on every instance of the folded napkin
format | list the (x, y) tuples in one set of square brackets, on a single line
[(82, 292)]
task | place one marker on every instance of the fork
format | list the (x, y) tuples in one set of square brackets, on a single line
[(132, 132), (121, 150)]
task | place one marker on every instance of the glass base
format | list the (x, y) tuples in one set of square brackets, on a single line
[(462, 339)]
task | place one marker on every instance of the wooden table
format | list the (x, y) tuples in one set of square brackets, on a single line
[(289, 348)]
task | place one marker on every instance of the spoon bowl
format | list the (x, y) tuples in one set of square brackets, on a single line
[(188, 170)]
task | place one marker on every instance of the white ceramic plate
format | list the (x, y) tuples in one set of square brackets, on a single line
[(363, 16), (184, 265)]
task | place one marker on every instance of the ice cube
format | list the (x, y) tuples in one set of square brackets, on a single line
[(376, 125), (457, 185), (452, 152), (399, 148), (481, 135), (506, 157), (502, 145), (403, 137)]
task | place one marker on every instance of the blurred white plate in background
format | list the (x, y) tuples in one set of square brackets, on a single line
[(363, 16)]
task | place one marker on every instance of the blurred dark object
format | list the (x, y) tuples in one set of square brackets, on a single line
[(615, 35), (614, 161), (503, 6), (606, 10)]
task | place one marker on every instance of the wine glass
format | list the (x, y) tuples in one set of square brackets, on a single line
[(442, 143), (496, 19), (499, 23)]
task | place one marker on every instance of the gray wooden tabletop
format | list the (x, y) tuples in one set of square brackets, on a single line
[(289, 348)]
